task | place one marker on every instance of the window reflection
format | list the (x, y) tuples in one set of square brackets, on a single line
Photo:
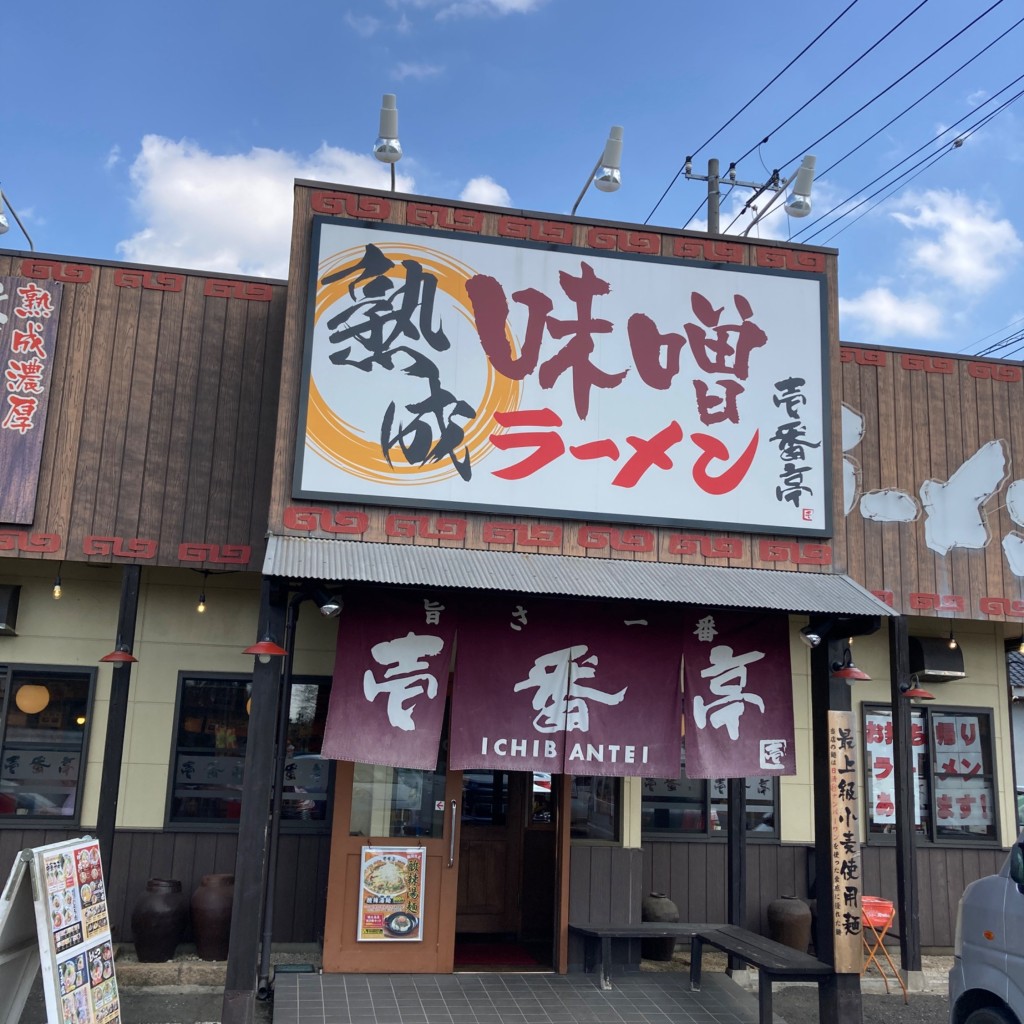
[(42, 741), (209, 754)]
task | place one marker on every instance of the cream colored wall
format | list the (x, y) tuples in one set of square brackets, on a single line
[(170, 637), (984, 687)]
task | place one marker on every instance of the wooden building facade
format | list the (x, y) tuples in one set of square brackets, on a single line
[(169, 449)]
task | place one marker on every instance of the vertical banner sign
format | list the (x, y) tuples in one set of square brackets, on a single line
[(29, 313), (586, 689), (391, 893), (846, 881), (738, 695), (391, 680)]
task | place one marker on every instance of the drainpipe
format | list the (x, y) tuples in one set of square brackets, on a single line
[(263, 986)]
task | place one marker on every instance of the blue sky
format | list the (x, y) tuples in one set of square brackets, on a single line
[(171, 133)]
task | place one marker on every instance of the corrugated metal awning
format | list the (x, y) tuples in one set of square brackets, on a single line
[(524, 573)]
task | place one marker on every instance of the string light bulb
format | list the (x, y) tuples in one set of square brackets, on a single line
[(58, 590), (952, 640), (201, 606)]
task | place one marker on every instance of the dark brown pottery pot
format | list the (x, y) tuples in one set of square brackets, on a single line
[(789, 922), (657, 907), (211, 916), (159, 918)]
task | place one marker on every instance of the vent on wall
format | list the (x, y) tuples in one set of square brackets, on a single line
[(9, 609), (933, 661)]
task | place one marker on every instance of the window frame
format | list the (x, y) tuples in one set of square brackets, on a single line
[(293, 826), (707, 834), (616, 781), (8, 672), (929, 836)]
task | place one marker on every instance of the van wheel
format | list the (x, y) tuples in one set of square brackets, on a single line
[(990, 1015)]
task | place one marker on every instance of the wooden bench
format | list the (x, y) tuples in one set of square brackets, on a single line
[(599, 937), (774, 961)]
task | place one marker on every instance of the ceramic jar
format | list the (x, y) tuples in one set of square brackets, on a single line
[(656, 906), (211, 916), (159, 919), (789, 922)]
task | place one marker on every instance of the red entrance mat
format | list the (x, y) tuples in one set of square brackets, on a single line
[(505, 954)]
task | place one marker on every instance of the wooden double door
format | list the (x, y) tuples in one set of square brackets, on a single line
[(494, 852)]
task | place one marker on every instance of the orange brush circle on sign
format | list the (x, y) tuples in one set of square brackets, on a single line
[(347, 447)]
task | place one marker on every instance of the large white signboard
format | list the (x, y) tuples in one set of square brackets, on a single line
[(461, 372)]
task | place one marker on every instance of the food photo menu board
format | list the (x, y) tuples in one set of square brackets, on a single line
[(391, 894), (74, 934)]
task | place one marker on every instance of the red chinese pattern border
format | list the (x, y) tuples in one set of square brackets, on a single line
[(148, 280), (139, 548), (914, 361), (595, 537), (614, 239)]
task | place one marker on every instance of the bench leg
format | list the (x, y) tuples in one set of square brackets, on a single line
[(696, 952), (764, 998), (606, 961)]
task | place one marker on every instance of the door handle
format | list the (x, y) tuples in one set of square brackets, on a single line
[(451, 841)]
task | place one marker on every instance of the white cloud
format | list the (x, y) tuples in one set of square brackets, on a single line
[(113, 157), (486, 191), (404, 71), (472, 8), (364, 25), (229, 213), (886, 316), (963, 241)]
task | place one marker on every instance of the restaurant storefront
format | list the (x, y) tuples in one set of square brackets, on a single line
[(577, 488)]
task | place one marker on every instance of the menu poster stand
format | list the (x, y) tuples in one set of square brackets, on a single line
[(58, 892)]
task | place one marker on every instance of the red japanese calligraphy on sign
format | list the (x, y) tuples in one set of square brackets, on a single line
[(446, 368), (29, 312), (964, 796)]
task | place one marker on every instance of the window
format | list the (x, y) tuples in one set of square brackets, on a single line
[(683, 807), (954, 794), (44, 726), (209, 752), (596, 807)]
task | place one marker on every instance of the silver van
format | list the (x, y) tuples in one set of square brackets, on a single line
[(986, 984)]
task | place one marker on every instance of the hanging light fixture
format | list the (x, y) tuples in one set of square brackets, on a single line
[(953, 645), (265, 650), (201, 606), (58, 590), (32, 698), (913, 691), (846, 669), (120, 655)]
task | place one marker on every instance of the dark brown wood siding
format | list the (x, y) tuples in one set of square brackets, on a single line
[(158, 446), (924, 416), (300, 892)]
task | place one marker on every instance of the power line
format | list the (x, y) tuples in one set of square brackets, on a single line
[(920, 99), (929, 160), (909, 156), (829, 84), (756, 96), (996, 344), (893, 84)]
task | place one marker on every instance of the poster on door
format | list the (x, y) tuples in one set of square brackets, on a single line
[(391, 894)]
